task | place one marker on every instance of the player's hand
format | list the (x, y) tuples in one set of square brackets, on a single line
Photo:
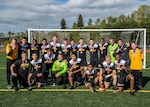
[(57, 75), (123, 67), (39, 74), (14, 74)]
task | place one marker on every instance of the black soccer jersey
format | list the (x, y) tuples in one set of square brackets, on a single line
[(74, 49), (66, 51), (35, 49), (118, 65), (55, 47), (36, 67), (93, 50), (44, 48), (22, 66), (103, 52), (77, 64), (23, 48), (82, 51), (108, 68), (90, 75), (50, 60)]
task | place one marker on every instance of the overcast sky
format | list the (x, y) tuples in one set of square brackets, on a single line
[(20, 15)]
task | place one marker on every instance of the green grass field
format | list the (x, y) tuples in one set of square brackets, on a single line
[(52, 98)]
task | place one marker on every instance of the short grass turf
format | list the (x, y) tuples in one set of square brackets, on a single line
[(71, 98)]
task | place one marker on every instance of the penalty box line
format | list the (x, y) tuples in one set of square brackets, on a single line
[(67, 90)]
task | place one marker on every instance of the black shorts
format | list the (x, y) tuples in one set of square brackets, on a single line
[(107, 80), (91, 81), (94, 61), (38, 79), (122, 79), (77, 77)]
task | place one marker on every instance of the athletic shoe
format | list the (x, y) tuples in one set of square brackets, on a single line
[(114, 88), (72, 87), (54, 84), (64, 86), (19, 85), (140, 87), (29, 88), (15, 89), (93, 90), (9, 86), (101, 87), (132, 93)]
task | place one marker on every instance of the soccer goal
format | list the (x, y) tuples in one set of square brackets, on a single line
[(127, 35)]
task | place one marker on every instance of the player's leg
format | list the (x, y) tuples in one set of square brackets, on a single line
[(139, 80), (101, 86), (130, 77), (77, 79), (14, 81), (114, 77), (30, 76), (64, 76), (71, 80)]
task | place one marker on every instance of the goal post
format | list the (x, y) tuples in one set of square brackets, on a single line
[(127, 35)]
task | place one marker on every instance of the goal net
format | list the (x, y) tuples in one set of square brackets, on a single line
[(127, 35)]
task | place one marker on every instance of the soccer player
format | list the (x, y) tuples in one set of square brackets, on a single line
[(12, 56), (136, 58), (90, 77), (122, 50), (48, 59), (34, 48), (23, 46), (123, 75), (22, 71), (73, 47), (111, 49), (75, 69), (103, 50), (66, 49), (55, 46), (93, 49), (59, 68), (82, 48), (108, 72), (36, 71), (44, 46)]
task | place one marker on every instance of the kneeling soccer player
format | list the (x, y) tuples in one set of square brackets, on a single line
[(59, 68), (75, 77), (108, 73), (36, 72), (90, 77), (123, 75), (21, 73)]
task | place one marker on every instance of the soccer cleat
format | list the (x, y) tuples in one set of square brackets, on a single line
[(9, 86), (114, 88), (140, 87), (15, 89), (93, 90), (132, 93), (64, 86), (54, 84), (101, 87), (72, 87), (29, 88)]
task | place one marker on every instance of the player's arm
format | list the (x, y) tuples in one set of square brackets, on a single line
[(79, 70), (54, 67), (64, 69), (84, 75), (12, 67)]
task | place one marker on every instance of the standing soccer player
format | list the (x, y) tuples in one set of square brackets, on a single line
[(82, 48), (66, 49), (75, 69), (108, 72), (48, 59), (44, 46), (136, 58), (123, 75), (22, 71), (55, 46), (12, 56), (73, 47), (103, 50), (36, 71), (34, 48), (93, 49), (59, 68), (111, 49), (23, 46)]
